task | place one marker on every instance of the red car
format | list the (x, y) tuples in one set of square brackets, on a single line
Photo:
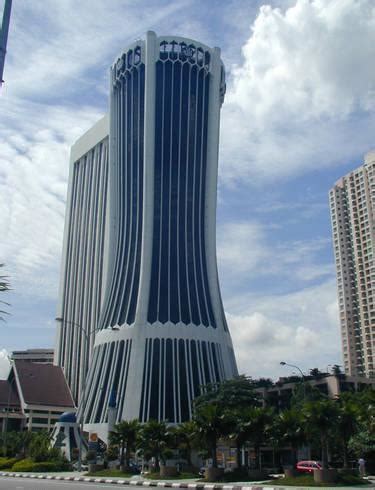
[(308, 466)]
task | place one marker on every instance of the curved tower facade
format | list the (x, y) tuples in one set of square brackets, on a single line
[(162, 330)]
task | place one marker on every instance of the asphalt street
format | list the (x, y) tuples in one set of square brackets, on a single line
[(35, 484)]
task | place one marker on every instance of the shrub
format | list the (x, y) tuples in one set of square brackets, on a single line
[(51, 466), (40, 448), (6, 463), (23, 465), (26, 465)]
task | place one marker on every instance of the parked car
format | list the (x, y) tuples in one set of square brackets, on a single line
[(308, 466)]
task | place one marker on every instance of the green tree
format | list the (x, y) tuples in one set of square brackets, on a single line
[(320, 419), (303, 393), (336, 370), (289, 427), (362, 443), (154, 441), (250, 425), (347, 422), (235, 393), (366, 402), (213, 422), (4, 286), (226, 404), (253, 429), (125, 436), (316, 373), (263, 383), (39, 448), (187, 439), (18, 443)]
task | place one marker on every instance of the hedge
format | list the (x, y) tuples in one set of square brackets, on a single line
[(6, 463), (27, 465)]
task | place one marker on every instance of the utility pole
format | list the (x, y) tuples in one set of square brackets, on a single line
[(4, 36)]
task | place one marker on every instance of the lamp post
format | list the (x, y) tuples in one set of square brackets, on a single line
[(82, 400), (283, 363)]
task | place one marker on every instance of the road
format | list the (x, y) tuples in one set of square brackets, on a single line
[(35, 484)]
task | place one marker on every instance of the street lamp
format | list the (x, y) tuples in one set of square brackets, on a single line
[(87, 335), (82, 400), (283, 363)]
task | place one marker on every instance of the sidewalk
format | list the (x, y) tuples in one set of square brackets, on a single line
[(190, 484)]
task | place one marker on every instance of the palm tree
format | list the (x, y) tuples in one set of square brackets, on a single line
[(186, 435), (154, 441), (321, 419), (250, 426), (347, 422), (336, 370), (288, 425), (253, 428), (363, 441), (316, 373), (125, 436), (213, 422)]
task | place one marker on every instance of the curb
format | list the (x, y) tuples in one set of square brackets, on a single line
[(148, 483)]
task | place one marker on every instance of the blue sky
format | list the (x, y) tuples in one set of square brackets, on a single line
[(298, 114)]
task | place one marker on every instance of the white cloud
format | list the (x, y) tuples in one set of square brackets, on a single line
[(249, 249), (61, 41), (300, 328), (241, 246), (304, 87), (34, 158), (4, 364)]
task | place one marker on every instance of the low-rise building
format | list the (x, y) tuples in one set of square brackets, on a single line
[(34, 396), (280, 393), (34, 355)]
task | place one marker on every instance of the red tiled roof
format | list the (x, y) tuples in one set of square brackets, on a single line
[(43, 384), (8, 395)]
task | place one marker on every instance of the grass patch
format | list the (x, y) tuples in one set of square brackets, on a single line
[(308, 481), (110, 472)]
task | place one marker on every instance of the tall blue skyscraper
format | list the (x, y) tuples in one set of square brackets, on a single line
[(161, 332)]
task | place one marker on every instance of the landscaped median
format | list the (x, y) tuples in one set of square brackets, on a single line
[(28, 465), (303, 481), (119, 481)]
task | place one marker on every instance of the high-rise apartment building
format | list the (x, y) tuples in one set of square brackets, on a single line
[(161, 333), (352, 202)]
